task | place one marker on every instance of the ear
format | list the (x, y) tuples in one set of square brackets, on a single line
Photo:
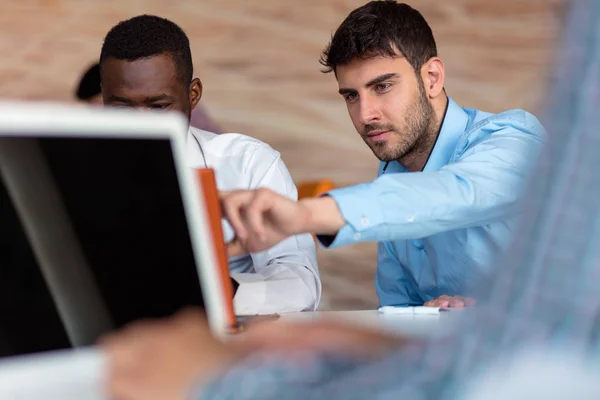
[(195, 92), (433, 75)]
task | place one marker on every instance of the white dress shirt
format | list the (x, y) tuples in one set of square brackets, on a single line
[(284, 278)]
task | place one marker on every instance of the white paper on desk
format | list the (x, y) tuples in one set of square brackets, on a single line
[(417, 310)]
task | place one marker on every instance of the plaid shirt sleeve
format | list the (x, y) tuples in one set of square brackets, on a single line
[(265, 378)]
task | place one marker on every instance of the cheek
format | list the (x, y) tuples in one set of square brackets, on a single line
[(395, 109), (354, 113), (182, 104)]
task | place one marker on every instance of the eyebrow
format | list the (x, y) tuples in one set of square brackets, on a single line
[(120, 99), (372, 82), (158, 98), (381, 78), (146, 100)]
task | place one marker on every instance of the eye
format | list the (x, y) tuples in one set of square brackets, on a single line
[(382, 87), (351, 97), (162, 106)]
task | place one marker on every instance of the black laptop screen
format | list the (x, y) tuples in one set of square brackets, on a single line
[(123, 199)]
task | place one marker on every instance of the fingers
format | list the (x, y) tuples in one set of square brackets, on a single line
[(232, 204), (274, 336), (445, 301), (245, 211), (235, 248), (128, 339), (442, 302), (461, 302), (254, 213), (125, 351), (456, 302), (191, 315), (469, 302), (131, 333)]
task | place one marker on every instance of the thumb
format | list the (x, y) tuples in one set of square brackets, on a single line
[(235, 248)]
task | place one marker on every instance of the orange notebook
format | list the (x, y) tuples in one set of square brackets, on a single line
[(206, 179)]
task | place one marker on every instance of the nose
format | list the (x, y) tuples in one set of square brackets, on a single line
[(369, 110)]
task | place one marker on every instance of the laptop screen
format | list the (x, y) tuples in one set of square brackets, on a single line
[(123, 200)]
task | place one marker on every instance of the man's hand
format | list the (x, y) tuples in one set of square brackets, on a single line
[(235, 248), (163, 360), (451, 302), (262, 218)]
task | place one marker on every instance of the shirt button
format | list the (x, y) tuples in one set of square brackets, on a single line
[(364, 221), (410, 218), (357, 236)]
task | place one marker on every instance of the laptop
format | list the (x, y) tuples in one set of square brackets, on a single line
[(103, 223)]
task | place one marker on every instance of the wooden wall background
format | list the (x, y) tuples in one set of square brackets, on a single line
[(258, 62)]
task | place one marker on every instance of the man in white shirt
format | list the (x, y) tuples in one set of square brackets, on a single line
[(146, 63)]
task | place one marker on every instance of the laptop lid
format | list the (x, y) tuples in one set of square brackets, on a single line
[(106, 225)]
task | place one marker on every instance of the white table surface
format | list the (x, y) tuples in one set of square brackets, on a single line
[(402, 324), (55, 375)]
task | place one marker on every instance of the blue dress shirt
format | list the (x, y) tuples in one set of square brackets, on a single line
[(441, 228)]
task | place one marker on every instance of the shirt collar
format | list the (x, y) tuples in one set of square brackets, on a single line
[(453, 126)]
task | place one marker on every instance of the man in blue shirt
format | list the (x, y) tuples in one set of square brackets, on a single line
[(445, 202)]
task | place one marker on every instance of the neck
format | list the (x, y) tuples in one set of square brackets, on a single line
[(416, 159)]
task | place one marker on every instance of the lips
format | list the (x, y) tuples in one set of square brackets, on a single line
[(378, 136)]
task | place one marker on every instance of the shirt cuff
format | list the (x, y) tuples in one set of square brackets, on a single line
[(250, 295), (360, 209), (260, 295)]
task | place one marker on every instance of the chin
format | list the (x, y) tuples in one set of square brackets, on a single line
[(381, 154), (384, 157)]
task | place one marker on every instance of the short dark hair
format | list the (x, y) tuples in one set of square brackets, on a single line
[(146, 36), (381, 28)]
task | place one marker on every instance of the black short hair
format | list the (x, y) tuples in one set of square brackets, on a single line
[(381, 28), (146, 36), (89, 84)]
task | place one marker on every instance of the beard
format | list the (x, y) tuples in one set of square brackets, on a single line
[(418, 122)]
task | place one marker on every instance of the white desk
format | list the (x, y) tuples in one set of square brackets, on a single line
[(55, 375), (405, 325)]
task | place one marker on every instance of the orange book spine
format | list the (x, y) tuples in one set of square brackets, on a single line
[(206, 179)]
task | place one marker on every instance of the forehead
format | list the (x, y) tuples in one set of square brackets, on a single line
[(360, 71), (151, 74)]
